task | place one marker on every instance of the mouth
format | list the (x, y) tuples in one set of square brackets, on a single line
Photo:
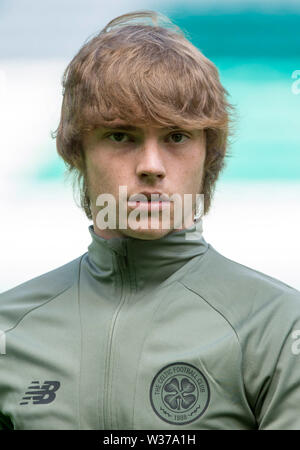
[(150, 201), (152, 205)]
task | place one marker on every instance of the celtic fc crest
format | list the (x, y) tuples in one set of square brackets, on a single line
[(179, 393)]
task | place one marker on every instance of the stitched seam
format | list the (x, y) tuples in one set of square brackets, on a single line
[(235, 332), (142, 350), (219, 312), (108, 357), (39, 306), (115, 350), (275, 365)]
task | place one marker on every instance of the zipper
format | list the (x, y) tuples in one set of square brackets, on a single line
[(123, 266)]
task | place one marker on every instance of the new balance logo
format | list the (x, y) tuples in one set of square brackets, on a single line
[(41, 395)]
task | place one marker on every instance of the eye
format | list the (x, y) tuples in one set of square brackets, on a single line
[(178, 138), (118, 136)]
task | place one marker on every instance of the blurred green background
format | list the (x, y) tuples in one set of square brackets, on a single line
[(256, 47)]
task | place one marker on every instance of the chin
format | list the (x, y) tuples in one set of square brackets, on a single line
[(147, 233)]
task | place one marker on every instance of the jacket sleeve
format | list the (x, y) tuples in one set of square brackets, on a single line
[(279, 399)]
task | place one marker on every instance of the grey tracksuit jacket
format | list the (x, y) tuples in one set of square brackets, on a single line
[(162, 334)]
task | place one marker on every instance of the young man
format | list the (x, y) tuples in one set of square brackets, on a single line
[(151, 328)]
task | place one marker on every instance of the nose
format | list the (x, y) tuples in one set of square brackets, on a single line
[(150, 165)]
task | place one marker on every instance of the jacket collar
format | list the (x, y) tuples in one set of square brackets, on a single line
[(145, 263)]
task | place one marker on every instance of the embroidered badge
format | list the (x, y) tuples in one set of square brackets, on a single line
[(179, 393)]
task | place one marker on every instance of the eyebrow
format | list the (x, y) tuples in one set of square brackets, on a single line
[(134, 128), (121, 127)]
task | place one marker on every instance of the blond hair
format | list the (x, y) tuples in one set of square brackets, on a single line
[(142, 73)]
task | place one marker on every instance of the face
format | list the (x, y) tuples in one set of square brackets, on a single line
[(147, 160)]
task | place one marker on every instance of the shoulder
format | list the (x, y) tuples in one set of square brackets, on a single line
[(19, 300), (238, 291)]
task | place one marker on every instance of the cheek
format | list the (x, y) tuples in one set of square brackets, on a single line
[(195, 163), (105, 174), (199, 161), (97, 175), (194, 173)]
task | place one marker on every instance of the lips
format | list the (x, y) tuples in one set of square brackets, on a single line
[(147, 196), (149, 201), (148, 205)]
